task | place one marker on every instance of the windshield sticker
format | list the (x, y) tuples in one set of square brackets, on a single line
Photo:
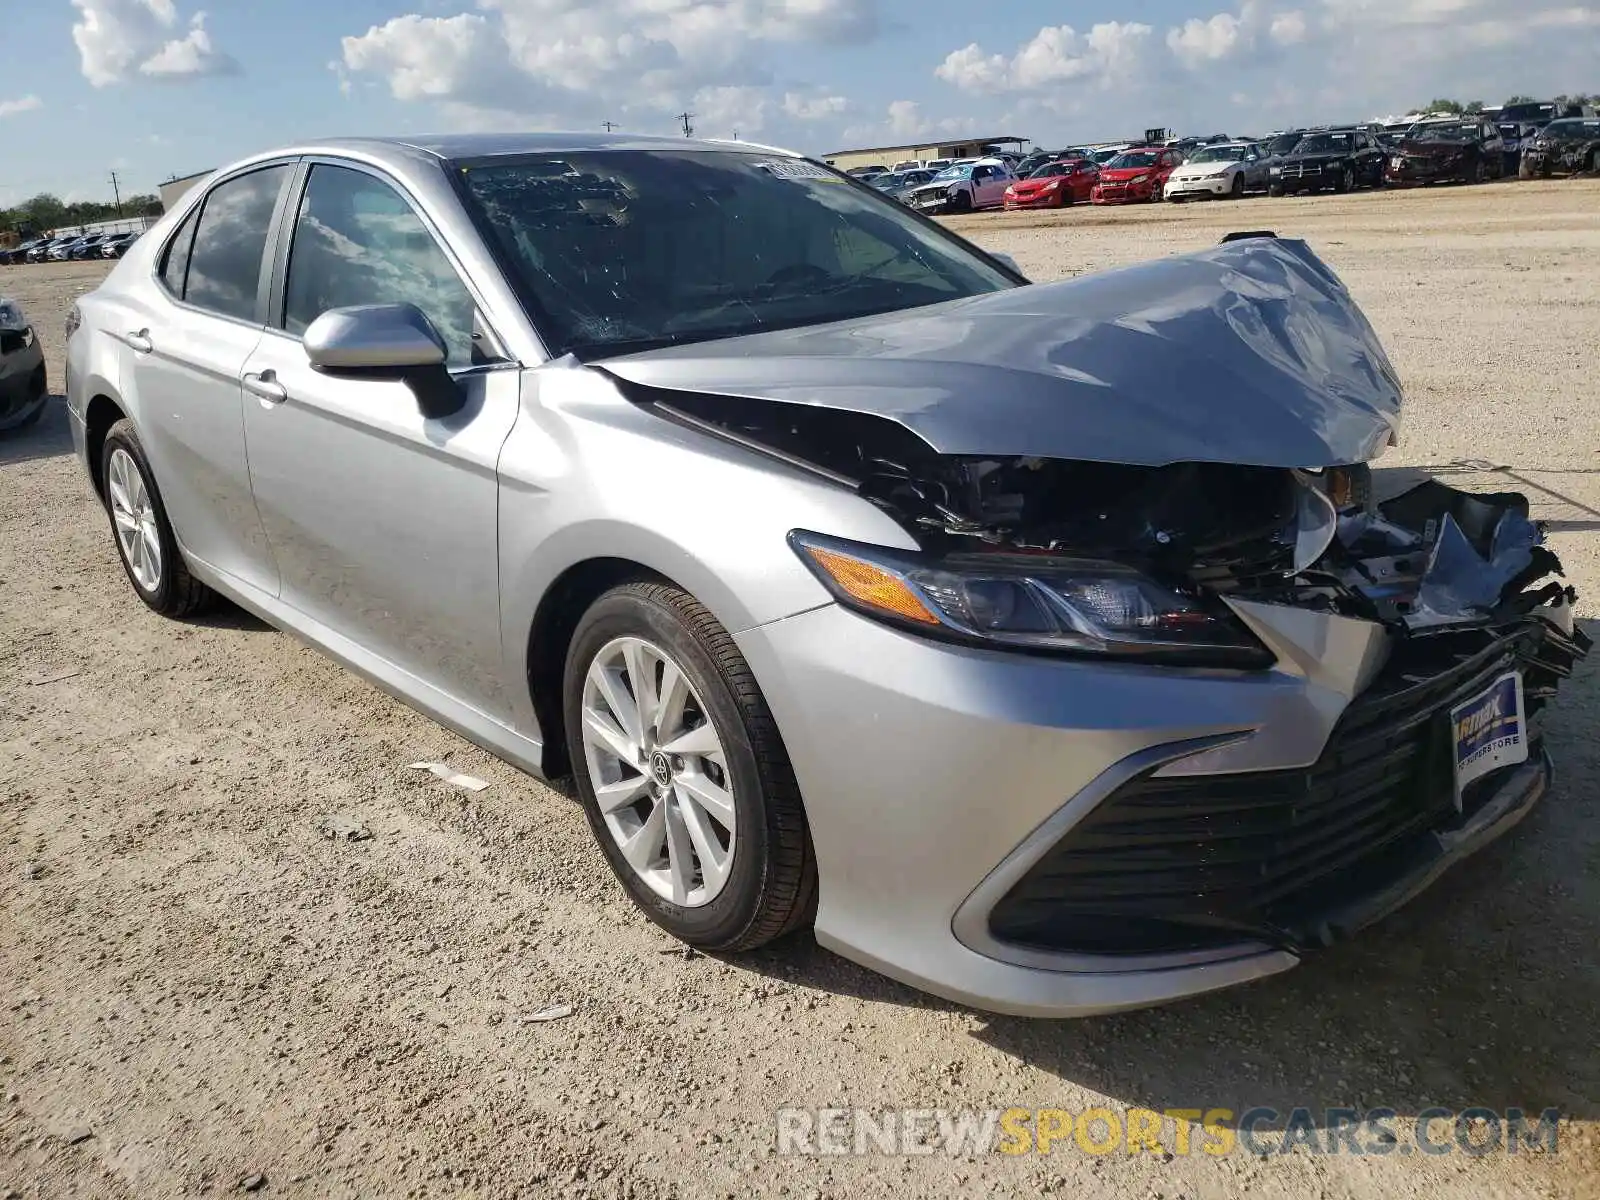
[(797, 168)]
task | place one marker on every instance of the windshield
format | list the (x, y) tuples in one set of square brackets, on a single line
[(616, 251), (1053, 170), (1134, 158), (1218, 154), (1442, 133), (1324, 143), (1284, 143), (1540, 111), (1573, 130), (959, 171)]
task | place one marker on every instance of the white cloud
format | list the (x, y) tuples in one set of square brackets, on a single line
[(1199, 42), (1055, 55), (120, 39), (814, 108), (22, 104), (633, 61), (1289, 29)]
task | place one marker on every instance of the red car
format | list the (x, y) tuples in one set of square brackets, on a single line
[(1054, 185), (1135, 175)]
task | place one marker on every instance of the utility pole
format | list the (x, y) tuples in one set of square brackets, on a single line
[(117, 192), (686, 118), (610, 125)]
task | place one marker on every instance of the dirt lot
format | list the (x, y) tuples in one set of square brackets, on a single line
[(198, 986)]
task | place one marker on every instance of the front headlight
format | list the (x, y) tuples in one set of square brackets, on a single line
[(1052, 185), (1397, 162), (1040, 603), (1139, 179)]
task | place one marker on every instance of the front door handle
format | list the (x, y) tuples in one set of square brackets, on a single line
[(140, 341), (265, 386)]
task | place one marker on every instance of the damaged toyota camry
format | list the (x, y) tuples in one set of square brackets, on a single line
[(1055, 648)]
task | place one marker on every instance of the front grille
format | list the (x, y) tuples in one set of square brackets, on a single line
[(1174, 864)]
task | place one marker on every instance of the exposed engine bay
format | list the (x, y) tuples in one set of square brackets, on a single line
[(1426, 558)]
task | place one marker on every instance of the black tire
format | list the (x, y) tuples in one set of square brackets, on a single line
[(1236, 190), (961, 203), (177, 593), (1347, 181), (1480, 173), (771, 887)]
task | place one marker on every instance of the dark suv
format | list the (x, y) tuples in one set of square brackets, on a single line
[(1467, 150), (1323, 159)]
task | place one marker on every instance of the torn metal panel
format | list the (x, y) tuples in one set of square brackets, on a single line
[(1247, 353)]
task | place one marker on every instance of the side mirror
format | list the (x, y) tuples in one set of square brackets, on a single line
[(1002, 256), (385, 341)]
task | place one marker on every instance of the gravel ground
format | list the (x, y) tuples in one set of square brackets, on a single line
[(200, 987)]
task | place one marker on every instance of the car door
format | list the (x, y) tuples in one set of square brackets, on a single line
[(1255, 168), (183, 350), (382, 520)]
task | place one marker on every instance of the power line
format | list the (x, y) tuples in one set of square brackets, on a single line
[(686, 118), (610, 125)]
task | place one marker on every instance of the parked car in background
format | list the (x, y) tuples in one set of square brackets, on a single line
[(1567, 146), (1043, 647), (61, 251), (1468, 150), (964, 187), (1220, 169), (861, 172), (88, 247), (116, 244), (909, 164), (1513, 136), (1135, 176), (19, 253), (45, 249), (24, 387), (1340, 160), (900, 184), (937, 164), (1054, 185), (1105, 154)]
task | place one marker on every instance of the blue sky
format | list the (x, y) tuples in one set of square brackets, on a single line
[(155, 88)]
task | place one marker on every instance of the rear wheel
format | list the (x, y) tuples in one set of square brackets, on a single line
[(145, 541), (682, 774), (1347, 180)]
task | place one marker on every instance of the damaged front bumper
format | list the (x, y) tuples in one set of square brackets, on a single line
[(1056, 837)]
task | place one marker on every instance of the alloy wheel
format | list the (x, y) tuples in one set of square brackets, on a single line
[(134, 514), (658, 770)]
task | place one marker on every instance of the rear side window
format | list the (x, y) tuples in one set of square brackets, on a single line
[(225, 260), (176, 264)]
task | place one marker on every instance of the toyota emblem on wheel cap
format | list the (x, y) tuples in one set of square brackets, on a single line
[(660, 769)]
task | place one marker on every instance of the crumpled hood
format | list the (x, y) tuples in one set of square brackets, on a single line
[(1250, 352)]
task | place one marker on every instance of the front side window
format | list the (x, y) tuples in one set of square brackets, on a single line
[(357, 241), (225, 261), (621, 250)]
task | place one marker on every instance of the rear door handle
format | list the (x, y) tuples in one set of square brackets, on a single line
[(265, 386), (140, 341)]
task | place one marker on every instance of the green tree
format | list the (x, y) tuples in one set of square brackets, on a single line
[(44, 211), (1444, 106), (1519, 100), (1473, 108)]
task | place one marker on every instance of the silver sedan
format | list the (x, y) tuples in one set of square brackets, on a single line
[(1054, 648)]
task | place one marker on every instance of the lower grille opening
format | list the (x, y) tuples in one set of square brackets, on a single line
[(1167, 865)]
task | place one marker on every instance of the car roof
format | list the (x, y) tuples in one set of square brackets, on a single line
[(453, 146)]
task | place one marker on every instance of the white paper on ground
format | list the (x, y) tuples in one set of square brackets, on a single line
[(471, 782)]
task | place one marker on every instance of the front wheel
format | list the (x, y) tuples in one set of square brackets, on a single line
[(1347, 181), (145, 541), (1236, 192), (683, 776), (1480, 173)]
